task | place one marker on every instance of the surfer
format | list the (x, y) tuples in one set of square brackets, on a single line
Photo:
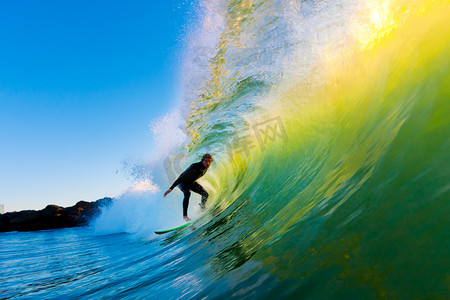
[(187, 182)]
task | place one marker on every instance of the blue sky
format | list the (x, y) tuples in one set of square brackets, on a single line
[(80, 81)]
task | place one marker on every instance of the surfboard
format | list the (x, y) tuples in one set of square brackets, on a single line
[(172, 229)]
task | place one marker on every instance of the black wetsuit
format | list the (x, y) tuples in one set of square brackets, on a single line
[(187, 183)]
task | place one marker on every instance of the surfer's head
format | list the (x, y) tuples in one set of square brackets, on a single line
[(207, 160)]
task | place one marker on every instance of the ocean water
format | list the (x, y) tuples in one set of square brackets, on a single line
[(329, 125)]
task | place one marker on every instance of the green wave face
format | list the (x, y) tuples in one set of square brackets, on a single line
[(329, 124)]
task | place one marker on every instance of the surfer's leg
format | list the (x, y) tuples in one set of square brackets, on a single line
[(187, 194), (197, 188)]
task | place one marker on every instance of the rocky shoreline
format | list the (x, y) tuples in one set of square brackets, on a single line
[(53, 216)]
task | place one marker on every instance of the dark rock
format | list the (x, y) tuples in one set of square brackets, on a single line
[(53, 216)]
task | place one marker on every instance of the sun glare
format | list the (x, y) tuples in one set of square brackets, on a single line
[(379, 24), (380, 18)]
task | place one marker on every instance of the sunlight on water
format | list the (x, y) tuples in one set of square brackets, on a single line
[(382, 22), (380, 18)]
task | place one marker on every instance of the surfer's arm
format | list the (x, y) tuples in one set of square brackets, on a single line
[(177, 182)]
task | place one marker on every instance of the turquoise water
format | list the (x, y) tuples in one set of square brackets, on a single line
[(328, 122)]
